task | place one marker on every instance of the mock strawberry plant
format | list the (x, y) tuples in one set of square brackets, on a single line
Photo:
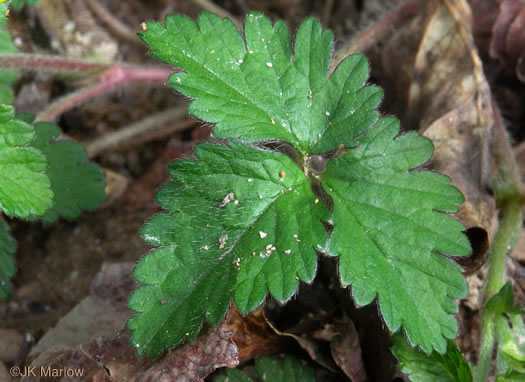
[(310, 169), (40, 177)]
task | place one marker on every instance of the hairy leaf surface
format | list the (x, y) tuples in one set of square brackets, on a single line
[(7, 264), (241, 222), (25, 189), (390, 222), (76, 183), (390, 228), (258, 89)]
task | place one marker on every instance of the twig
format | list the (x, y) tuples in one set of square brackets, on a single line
[(53, 64), (376, 31), (147, 129), (114, 24), (209, 6), (116, 76), (160, 132)]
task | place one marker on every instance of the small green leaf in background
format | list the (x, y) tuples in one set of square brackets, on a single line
[(270, 369), (511, 376), (7, 264), (241, 221), (76, 183), (510, 331), (4, 11), (7, 76), (25, 189), (420, 367), (503, 302), (18, 4)]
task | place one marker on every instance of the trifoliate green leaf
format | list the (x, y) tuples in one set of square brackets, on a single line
[(25, 189), (420, 367), (7, 264), (390, 226), (270, 369), (77, 184), (258, 89), (242, 221)]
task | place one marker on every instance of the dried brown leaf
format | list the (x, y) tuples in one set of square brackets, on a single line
[(10, 344), (314, 347), (508, 35), (485, 13), (449, 101), (346, 350), (253, 335), (4, 374), (90, 339), (102, 313)]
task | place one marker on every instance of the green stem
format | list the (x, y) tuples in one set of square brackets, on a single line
[(502, 245), (495, 280), (485, 350)]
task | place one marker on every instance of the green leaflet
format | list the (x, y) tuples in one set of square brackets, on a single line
[(7, 264), (420, 367), (512, 376), (3, 9), (25, 189), (232, 375), (18, 4), (241, 221), (7, 76), (388, 225), (258, 89), (272, 370), (76, 183), (503, 302), (510, 331), (40, 177)]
